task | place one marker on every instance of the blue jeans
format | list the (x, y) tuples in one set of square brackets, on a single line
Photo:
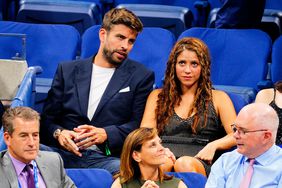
[(89, 159)]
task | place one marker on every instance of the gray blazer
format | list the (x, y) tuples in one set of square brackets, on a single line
[(49, 164)]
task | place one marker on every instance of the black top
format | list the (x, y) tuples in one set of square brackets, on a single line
[(279, 113), (180, 139)]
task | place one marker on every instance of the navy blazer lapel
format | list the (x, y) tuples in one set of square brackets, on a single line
[(83, 74), (116, 83), (10, 170)]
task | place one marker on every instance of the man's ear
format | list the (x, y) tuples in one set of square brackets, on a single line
[(102, 34), (268, 135), (136, 156), (7, 138)]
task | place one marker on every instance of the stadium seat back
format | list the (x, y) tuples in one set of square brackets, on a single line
[(79, 14), (238, 56), (191, 179), (175, 19), (276, 65), (46, 44), (85, 178)]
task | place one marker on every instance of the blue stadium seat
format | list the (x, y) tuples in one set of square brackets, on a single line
[(151, 48), (238, 57), (46, 46), (174, 18), (85, 178), (90, 41), (199, 8), (79, 14), (276, 65), (26, 93), (191, 179), (2, 142), (271, 23), (237, 95)]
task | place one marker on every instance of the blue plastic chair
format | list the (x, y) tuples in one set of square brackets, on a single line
[(238, 56), (238, 100), (85, 178), (46, 45), (175, 19), (276, 65), (2, 142), (79, 14), (240, 96), (191, 179), (151, 48), (199, 8), (26, 93)]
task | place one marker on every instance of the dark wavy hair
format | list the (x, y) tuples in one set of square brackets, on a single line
[(278, 86), (170, 96)]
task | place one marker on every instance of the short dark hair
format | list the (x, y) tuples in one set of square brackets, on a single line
[(121, 16), (22, 112)]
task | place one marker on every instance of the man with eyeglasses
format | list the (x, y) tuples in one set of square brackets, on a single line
[(257, 161)]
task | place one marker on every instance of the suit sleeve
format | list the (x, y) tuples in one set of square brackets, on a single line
[(117, 133), (66, 180), (52, 108)]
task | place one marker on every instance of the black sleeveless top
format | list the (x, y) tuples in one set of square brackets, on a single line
[(180, 139), (279, 113)]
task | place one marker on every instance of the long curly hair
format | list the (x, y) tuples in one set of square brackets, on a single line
[(170, 96)]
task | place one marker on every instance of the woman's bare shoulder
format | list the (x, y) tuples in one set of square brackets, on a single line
[(265, 96)]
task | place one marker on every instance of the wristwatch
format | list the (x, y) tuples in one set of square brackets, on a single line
[(57, 133)]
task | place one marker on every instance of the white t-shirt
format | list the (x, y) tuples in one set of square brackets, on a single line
[(99, 81)]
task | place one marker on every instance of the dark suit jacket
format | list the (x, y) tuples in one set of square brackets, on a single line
[(118, 112), (240, 14), (49, 164)]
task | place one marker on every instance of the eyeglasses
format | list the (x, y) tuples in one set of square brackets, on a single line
[(244, 131)]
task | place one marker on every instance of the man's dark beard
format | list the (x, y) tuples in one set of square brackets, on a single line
[(108, 55)]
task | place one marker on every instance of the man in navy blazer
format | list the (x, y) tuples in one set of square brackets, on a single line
[(95, 103)]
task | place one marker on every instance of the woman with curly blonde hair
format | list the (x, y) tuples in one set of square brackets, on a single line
[(192, 118)]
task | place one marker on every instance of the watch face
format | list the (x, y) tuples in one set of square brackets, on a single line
[(57, 133)]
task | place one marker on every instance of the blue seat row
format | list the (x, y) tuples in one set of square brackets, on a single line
[(79, 14), (175, 15), (84, 178), (239, 57)]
